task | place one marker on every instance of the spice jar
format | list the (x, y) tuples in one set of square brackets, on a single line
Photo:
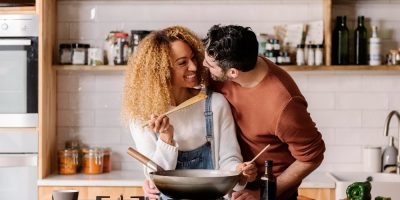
[(67, 161), (93, 161), (107, 160), (65, 54), (78, 54)]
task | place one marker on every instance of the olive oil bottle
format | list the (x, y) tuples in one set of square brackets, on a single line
[(360, 43), (268, 180), (340, 42)]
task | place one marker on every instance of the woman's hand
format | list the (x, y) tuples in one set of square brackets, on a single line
[(160, 124), (249, 170), (150, 191)]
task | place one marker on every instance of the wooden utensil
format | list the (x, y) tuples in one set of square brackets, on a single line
[(193, 100), (259, 154)]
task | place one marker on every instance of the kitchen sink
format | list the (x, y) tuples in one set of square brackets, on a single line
[(382, 184)]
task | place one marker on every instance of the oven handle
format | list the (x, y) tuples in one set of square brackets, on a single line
[(18, 160), (15, 42)]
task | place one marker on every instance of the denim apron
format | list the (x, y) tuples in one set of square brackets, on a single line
[(201, 157)]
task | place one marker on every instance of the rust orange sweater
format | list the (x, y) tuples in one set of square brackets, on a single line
[(274, 112)]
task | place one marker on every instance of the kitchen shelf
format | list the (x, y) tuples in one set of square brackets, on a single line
[(286, 67), (11, 129), (89, 67), (342, 68), (18, 10)]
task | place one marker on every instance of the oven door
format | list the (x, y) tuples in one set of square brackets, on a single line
[(18, 82), (18, 164)]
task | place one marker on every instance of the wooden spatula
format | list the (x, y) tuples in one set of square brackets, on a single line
[(193, 100)]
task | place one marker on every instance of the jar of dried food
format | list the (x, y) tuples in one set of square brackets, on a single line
[(107, 160), (67, 161), (75, 145), (93, 161)]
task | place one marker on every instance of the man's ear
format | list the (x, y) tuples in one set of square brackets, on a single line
[(233, 73)]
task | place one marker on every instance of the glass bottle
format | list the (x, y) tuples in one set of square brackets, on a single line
[(374, 48), (340, 42), (360, 43), (300, 55), (268, 180), (319, 54), (310, 54)]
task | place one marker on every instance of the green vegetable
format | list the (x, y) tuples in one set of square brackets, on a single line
[(382, 198), (359, 191)]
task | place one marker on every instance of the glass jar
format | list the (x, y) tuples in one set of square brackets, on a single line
[(65, 54), (93, 161), (75, 145), (78, 54), (121, 48), (67, 161), (107, 160), (86, 49)]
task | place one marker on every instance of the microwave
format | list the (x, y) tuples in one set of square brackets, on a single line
[(18, 71)]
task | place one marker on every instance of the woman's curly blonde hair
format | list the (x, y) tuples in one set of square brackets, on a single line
[(148, 77)]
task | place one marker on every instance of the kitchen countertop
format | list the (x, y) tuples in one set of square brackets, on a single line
[(317, 180), (114, 178), (135, 179)]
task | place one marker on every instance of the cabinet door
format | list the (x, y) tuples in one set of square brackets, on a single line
[(90, 193), (317, 193)]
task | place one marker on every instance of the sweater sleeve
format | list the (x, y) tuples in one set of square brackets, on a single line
[(225, 135), (148, 144), (296, 128)]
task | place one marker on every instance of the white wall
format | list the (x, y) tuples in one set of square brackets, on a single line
[(348, 107)]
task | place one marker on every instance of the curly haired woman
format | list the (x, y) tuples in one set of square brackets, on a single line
[(162, 74)]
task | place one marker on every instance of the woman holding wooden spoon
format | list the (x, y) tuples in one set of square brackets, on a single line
[(162, 74)]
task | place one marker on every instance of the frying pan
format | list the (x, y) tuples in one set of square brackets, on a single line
[(189, 183)]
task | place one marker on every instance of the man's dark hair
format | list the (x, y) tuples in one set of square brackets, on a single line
[(232, 46)]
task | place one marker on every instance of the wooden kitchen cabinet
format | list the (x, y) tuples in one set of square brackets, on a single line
[(90, 193), (318, 193)]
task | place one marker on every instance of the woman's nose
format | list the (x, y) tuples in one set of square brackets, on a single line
[(192, 66)]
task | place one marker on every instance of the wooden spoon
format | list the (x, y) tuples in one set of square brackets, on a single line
[(193, 100)]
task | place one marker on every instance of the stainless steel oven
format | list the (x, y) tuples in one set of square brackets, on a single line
[(18, 106), (18, 70)]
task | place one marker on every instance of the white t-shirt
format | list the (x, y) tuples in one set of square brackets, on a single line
[(190, 133)]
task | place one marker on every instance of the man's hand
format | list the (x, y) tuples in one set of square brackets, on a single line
[(249, 170), (246, 195), (150, 191)]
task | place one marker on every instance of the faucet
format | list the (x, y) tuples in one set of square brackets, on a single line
[(386, 133)]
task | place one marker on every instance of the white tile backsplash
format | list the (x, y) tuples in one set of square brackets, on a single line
[(367, 101), (348, 107)]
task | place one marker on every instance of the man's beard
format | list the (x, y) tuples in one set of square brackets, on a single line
[(223, 78)]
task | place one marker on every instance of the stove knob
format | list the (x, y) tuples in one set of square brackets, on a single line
[(4, 26)]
